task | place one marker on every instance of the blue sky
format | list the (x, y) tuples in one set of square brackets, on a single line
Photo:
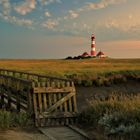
[(61, 28)]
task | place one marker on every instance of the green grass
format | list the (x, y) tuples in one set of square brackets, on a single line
[(12, 119)]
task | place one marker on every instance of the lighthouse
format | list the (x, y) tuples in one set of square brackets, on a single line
[(93, 51)]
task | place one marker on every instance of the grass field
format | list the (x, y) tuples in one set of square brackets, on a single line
[(111, 117), (90, 67)]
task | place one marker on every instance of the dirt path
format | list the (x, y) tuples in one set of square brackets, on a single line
[(21, 134)]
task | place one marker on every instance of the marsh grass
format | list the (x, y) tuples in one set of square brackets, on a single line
[(89, 67), (89, 72), (119, 116), (12, 119)]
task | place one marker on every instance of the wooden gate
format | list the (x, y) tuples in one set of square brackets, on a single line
[(54, 103), (51, 100)]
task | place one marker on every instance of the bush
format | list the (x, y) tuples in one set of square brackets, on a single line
[(87, 118), (87, 83), (99, 82), (117, 125)]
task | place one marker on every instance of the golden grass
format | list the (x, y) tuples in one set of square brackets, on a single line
[(81, 67)]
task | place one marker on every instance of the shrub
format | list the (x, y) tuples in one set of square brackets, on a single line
[(87, 83), (99, 82), (118, 117), (87, 118)]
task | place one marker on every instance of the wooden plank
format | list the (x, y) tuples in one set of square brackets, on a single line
[(35, 104), (47, 134), (39, 99), (65, 103), (55, 99), (44, 97), (65, 107), (29, 98), (45, 101), (69, 101), (53, 85), (58, 115), (49, 97), (52, 90), (62, 133), (14, 102), (40, 102), (68, 84), (49, 100), (59, 97), (74, 104), (60, 102), (78, 130), (70, 104), (63, 94)]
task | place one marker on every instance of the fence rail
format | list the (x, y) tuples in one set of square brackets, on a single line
[(29, 75)]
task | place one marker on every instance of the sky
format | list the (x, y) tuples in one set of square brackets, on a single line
[(53, 29)]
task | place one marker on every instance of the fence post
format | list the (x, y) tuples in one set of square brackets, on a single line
[(30, 102)]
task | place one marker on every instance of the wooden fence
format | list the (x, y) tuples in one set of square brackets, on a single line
[(51, 100)]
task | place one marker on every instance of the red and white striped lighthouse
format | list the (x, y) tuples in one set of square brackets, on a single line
[(93, 51)]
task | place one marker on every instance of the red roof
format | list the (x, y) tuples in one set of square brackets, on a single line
[(100, 53), (85, 54)]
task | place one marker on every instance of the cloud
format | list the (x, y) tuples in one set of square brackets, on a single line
[(47, 14), (73, 14), (18, 21), (126, 24), (26, 22), (25, 7), (103, 4), (47, 2), (113, 29), (5, 14), (100, 5), (6, 7), (50, 23)]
